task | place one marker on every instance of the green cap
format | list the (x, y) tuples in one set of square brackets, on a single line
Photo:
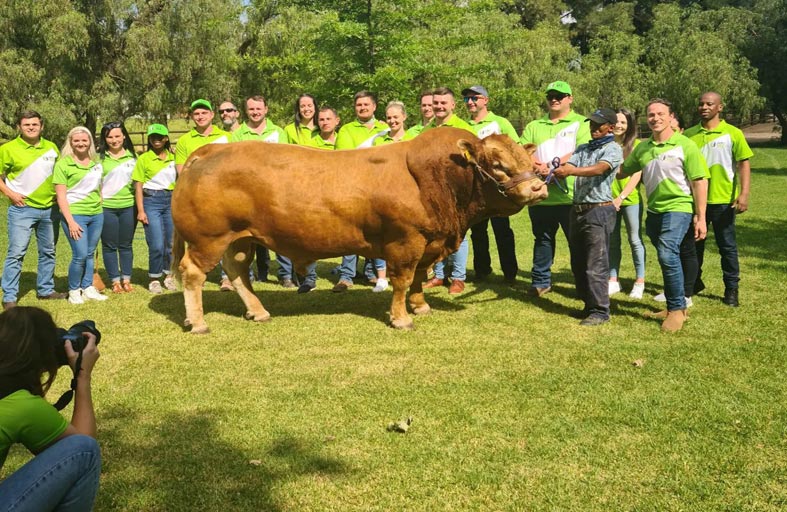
[(200, 103), (158, 129), (559, 86)]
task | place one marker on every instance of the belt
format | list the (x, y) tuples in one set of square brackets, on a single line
[(580, 208)]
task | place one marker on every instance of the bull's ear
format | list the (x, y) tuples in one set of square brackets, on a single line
[(530, 148), (468, 151)]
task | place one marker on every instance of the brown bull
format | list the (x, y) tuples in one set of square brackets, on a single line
[(409, 203)]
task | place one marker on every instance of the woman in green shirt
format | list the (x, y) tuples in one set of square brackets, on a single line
[(77, 180), (118, 158)]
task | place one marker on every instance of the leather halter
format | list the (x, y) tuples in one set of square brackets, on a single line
[(504, 188)]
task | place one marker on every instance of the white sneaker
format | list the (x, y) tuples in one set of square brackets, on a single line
[(614, 287), (169, 283), (660, 298), (689, 302), (381, 285), (91, 293), (75, 297), (155, 287), (637, 290)]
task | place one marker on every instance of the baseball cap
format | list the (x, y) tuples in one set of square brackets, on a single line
[(476, 89), (200, 103), (603, 116), (158, 129), (559, 86)]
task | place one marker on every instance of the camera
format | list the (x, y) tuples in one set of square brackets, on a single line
[(77, 339)]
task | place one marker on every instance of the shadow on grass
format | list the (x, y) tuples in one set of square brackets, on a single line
[(180, 462)]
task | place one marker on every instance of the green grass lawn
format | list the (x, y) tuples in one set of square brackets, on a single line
[(514, 405)]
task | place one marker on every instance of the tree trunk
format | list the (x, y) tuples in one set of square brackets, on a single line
[(780, 116)]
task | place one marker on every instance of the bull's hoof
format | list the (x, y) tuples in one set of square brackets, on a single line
[(405, 324), (422, 310), (203, 329), (257, 318)]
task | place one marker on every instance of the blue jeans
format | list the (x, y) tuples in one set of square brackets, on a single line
[(506, 251), (588, 241), (545, 222), (158, 231), (632, 214), (371, 266), (117, 238), (666, 231), (458, 260), (347, 268), (22, 220), (64, 477), (722, 218), (80, 270)]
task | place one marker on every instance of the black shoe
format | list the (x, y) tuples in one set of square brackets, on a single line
[(593, 320), (480, 277), (287, 283), (731, 297), (698, 286), (306, 288), (52, 296)]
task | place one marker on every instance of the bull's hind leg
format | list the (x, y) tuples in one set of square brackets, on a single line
[(193, 279), (236, 262), (417, 298)]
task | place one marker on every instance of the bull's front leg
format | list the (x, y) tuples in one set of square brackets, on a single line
[(401, 277), (417, 298), (193, 279)]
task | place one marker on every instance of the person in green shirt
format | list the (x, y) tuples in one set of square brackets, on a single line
[(360, 133), (201, 112), (26, 164), (727, 154), (154, 180), (327, 121), (301, 131), (77, 180), (65, 469), (485, 123), (118, 158), (556, 136), (229, 116), (673, 171), (425, 102)]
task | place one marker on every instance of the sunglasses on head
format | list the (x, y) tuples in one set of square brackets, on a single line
[(113, 125), (474, 99), (225, 110), (559, 96)]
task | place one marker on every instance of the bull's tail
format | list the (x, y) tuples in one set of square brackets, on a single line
[(178, 251)]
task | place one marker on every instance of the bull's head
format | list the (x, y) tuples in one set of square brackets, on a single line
[(509, 165)]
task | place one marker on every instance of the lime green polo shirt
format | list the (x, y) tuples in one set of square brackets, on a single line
[(723, 147), (557, 140), (413, 131), (83, 185), (453, 121), (193, 140), (320, 143), (667, 170), (28, 419), (619, 184), (155, 173), (356, 135), (301, 135), (493, 124), (386, 139), (117, 189), (271, 133), (28, 170)]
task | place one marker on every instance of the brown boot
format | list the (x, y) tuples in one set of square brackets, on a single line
[(674, 321), (661, 315), (433, 283), (457, 287)]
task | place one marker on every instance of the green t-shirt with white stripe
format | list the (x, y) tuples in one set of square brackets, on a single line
[(357, 135), (723, 147), (117, 189), (557, 139), (28, 170), (193, 140), (667, 170), (271, 133), (493, 124), (83, 185), (155, 173)]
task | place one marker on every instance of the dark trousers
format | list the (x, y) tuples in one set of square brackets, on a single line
[(506, 252), (117, 238), (722, 218), (263, 261), (688, 261), (545, 222), (588, 240)]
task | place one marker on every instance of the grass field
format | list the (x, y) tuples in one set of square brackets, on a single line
[(514, 406)]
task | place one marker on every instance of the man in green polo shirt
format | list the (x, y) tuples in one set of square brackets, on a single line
[(427, 114), (26, 164), (727, 154), (673, 172), (556, 136), (203, 133), (485, 123), (360, 133)]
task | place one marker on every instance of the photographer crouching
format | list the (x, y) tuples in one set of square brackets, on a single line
[(64, 473)]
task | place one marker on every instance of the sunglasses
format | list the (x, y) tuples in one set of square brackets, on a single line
[(474, 99), (113, 125), (225, 110), (559, 96)]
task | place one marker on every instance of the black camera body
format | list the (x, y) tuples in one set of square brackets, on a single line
[(76, 337)]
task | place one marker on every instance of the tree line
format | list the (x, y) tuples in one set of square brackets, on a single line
[(85, 61)]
